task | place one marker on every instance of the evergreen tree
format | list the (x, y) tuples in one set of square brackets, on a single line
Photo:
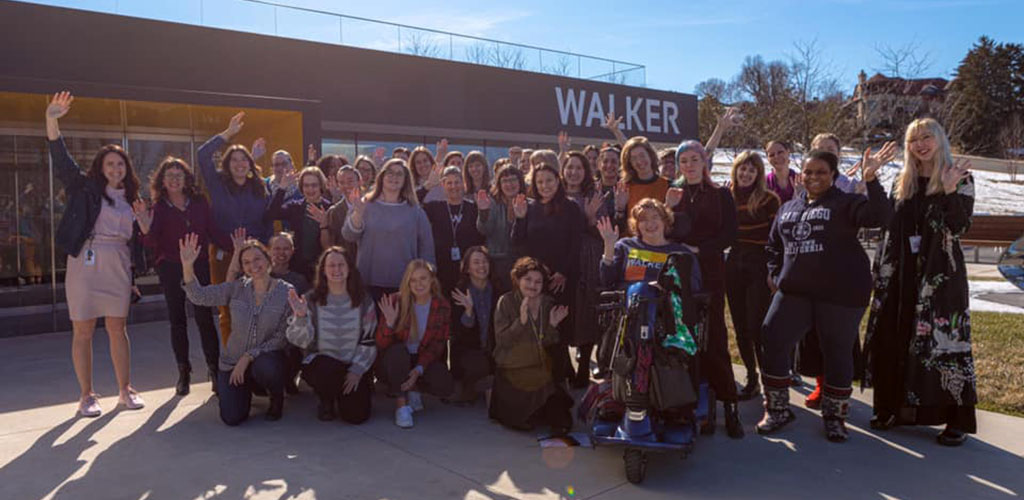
[(987, 92)]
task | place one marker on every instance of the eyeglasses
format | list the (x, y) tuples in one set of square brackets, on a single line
[(174, 175)]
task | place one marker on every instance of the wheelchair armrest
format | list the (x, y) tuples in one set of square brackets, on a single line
[(613, 299)]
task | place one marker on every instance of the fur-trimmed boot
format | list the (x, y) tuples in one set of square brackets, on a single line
[(835, 406), (776, 406)]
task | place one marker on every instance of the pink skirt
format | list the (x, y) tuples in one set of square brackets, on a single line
[(102, 288)]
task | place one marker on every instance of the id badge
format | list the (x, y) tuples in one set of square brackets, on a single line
[(220, 254), (915, 244), (90, 257), (456, 254)]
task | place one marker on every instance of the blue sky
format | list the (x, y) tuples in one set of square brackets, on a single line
[(680, 42)]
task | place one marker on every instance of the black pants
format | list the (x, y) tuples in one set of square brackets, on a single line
[(471, 365), (326, 376), (715, 362), (266, 372), (790, 317), (395, 364), (746, 286), (170, 280)]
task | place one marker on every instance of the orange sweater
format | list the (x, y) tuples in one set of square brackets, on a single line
[(639, 190)]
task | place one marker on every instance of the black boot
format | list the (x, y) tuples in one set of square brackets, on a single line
[(752, 389), (325, 410), (276, 408), (582, 378), (776, 410), (184, 380), (212, 372), (834, 411), (732, 420)]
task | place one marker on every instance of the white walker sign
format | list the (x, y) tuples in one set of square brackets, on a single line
[(640, 115)]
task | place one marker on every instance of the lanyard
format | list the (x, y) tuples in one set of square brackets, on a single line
[(454, 219)]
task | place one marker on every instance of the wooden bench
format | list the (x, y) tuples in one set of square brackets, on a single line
[(993, 231)]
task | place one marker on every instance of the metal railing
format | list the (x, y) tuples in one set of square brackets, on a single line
[(270, 18)]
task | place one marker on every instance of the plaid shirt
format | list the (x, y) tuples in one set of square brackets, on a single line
[(435, 337)]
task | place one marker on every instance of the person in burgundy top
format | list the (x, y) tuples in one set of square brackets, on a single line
[(712, 214), (180, 208)]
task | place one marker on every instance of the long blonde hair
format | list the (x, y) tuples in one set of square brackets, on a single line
[(761, 194), (406, 310), (906, 183)]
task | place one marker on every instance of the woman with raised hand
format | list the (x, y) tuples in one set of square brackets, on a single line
[(238, 198), (99, 235), (527, 391), (472, 343), (334, 324), (746, 269), (453, 221), (412, 340), (495, 218), (812, 247), (301, 214), (426, 172), (608, 170), (920, 359), (452, 159), (179, 208), (389, 228), (712, 215), (578, 182), (550, 228), (640, 258), (476, 175), (367, 173), (254, 359), (348, 179)]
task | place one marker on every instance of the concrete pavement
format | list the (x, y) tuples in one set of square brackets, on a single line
[(177, 448)]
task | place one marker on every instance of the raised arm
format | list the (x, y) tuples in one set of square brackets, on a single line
[(67, 171), (730, 118), (205, 153), (209, 295), (611, 124), (958, 201)]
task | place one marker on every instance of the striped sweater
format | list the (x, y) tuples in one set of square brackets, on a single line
[(754, 227), (338, 330)]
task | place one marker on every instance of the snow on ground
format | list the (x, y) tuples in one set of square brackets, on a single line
[(984, 287), (994, 194)]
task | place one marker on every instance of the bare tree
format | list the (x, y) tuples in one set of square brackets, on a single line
[(496, 54), (1011, 139), (420, 44), (815, 90), (563, 66), (713, 87), (903, 61)]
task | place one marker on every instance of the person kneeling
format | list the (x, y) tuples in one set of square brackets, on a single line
[(253, 362), (525, 331), (334, 325), (412, 341)]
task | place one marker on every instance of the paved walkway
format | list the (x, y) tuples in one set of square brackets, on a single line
[(177, 448)]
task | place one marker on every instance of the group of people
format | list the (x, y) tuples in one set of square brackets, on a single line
[(448, 276)]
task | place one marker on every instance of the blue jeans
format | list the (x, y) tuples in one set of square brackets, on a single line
[(265, 373)]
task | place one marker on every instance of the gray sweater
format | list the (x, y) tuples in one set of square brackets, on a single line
[(338, 330), (393, 234), (255, 329)]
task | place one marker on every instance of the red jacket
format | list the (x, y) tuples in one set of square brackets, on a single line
[(435, 338)]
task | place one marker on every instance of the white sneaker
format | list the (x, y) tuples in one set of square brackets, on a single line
[(403, 417), (131, 400), (90, 407), (415, 400)]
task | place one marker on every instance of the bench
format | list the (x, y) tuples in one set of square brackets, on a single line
[(993, 231)]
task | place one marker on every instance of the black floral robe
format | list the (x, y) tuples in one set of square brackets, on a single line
[(918, 340)]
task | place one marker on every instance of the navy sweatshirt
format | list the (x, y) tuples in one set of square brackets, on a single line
[(813, 248)]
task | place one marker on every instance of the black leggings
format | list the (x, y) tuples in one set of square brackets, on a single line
[(326, 376), (790, 317), (746, 286), (170, 280)]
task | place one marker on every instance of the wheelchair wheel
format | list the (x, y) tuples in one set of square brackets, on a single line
[(636, 465)]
